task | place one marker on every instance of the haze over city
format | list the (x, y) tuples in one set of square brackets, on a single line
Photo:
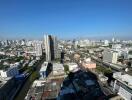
[(66, 18)]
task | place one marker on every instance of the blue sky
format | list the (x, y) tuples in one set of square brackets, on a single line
[(65, 18)]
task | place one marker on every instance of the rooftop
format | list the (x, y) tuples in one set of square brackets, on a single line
[(44, 66), (58, 69), (124, 78), (111, 50), (37, 88), (71, 64), (51, 89), (57, 66)]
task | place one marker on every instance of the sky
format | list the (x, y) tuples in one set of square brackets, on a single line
[(65, 18)]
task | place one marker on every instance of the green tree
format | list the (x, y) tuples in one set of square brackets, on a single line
[(66, 68), (34, 76), (103, 70), (107, 71)]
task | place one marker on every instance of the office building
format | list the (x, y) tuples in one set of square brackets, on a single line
[(51, 46), (110, 56), (47, 47)]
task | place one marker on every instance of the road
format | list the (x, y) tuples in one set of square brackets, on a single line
[(22, 93)]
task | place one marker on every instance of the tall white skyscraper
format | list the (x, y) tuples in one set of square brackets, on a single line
[(47, 47), (51, 46)]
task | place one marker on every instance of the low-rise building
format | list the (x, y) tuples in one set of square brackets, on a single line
[(73, 67), (36, 90), (43, 69), (88, 64), (9, 72), (103, 78), (123, 85), (58, 69)]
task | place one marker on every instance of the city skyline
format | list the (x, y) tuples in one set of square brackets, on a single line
[(66, 18), (66, 49)]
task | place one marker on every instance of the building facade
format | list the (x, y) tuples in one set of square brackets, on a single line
[(10, 72), (123, 85), (38, 48), (47, 47), (110, 56), (51, 46), (43, 69)]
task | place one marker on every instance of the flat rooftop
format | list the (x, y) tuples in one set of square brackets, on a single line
[(44, 66), (57, 66), (71, 64), (123, 78), (36, 90), (58, 69), (52, 89)]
